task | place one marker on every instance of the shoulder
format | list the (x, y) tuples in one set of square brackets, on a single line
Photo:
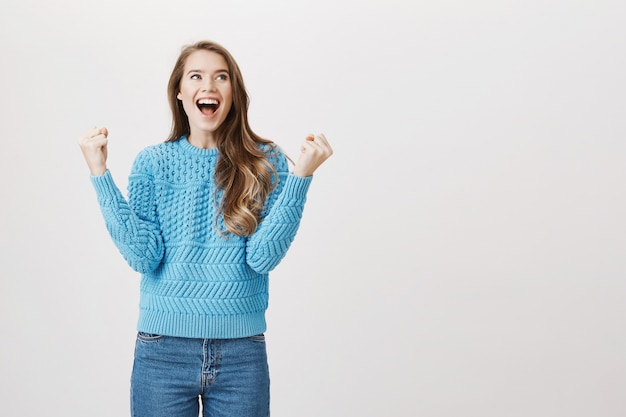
[(275, 156), (161, 150), (152, 156)]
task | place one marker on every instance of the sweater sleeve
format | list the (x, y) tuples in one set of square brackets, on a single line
[(133, 224), (268, 245)]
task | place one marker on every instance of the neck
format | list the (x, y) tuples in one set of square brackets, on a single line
[(202, 140)]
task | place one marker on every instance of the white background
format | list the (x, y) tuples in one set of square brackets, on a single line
[(461, 254)]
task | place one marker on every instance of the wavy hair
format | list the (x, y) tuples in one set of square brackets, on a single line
[(243, 175)]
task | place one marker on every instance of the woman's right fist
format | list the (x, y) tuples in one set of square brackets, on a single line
[(94, 146)]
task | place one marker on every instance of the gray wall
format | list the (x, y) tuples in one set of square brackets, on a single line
[(461, 254)]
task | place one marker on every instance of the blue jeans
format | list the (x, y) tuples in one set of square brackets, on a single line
[(176, 377)]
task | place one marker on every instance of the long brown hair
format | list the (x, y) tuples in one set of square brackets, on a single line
[(243, 172)]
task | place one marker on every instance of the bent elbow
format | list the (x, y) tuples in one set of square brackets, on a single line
[(144, 267), (262, 266), (264, 259), (146, 261)]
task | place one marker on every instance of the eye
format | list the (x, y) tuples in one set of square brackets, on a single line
[(195, 77), (222, 77)]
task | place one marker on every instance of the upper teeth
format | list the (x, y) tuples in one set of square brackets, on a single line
[(207, 101)]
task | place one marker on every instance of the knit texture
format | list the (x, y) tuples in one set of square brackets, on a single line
[(195, 281)]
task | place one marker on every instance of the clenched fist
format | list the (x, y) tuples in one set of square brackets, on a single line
[(314, 151), (94, 146)]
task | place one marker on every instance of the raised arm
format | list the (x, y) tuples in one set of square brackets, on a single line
[(132, 224), (270, 242)]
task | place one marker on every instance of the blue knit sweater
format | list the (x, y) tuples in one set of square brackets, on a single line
[(195, 282)]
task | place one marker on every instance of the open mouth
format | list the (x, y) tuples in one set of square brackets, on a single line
[(208, 106)]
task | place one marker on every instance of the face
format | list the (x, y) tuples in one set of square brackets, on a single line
[(206, 93)]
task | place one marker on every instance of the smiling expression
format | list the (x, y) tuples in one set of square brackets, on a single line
[(206, 94)]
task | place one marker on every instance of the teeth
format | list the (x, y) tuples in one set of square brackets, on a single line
[(207, 101)]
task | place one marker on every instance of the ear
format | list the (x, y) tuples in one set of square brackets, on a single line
[(178, 96)]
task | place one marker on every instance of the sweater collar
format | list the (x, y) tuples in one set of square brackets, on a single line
[(188, 147)]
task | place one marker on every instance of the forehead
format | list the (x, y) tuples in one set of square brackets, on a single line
[(204, 60)]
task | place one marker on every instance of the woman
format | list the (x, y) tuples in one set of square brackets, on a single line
[(209, 213)]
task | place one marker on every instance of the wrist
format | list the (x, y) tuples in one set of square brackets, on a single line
[(302, 172), (97, 171)]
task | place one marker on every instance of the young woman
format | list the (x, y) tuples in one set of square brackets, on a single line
[(209, 213)]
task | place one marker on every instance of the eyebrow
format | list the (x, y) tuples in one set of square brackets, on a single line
[(202, 71)]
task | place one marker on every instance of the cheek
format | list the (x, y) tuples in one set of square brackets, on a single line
[(230, 106), (229, 95), (185, 99)]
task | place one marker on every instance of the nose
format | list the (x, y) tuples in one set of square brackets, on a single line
[(209, 85)]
